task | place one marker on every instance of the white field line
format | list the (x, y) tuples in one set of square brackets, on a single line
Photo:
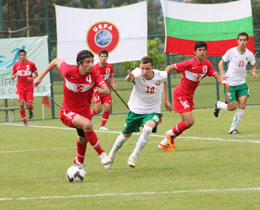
[(154, 135), (133, 194)]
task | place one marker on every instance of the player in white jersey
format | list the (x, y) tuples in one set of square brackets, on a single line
[(145, 106), (237, 58)]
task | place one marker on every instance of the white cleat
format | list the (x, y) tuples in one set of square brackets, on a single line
[(131, 161), (104, 159), (81, 165), (108, 166), (103, 128)]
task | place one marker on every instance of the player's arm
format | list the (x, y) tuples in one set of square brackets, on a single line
[(170, 68), (13, 76), (30, 79), (130, 77), (253, 71), (112, 80), (221, 69), (103, 89), (167, 103), (222, 81), (54, 63)]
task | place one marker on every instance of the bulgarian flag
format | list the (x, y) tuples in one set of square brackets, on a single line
[(216, 24)]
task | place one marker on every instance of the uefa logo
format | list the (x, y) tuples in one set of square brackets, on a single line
[(102, 35)]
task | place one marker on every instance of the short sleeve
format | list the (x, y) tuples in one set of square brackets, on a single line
[(211, 69), (181, 67), (34, 69), (64, 69), (14, 69), (97, 77), (226, 57), (252, 61), (137, 72)]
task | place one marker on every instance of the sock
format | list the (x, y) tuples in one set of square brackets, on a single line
[(105, 118), (142, 141), (222, 105), (164, 141), (81, 150), (22, 113), (179, 128), (93, 140), (120, 140), (31, 109), (93, 112), (236, 119)]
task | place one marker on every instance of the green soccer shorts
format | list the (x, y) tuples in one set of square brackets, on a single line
[(235, 92), (134, 121)]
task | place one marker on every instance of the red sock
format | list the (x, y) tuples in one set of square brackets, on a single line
[(179, 128), (105, 118), (93, 112), (22, 113), (81, 150), (93, 140)]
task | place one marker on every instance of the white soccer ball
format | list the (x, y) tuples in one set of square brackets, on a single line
[(75, 173)]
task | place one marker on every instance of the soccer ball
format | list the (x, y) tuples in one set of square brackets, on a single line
[(75, 173)]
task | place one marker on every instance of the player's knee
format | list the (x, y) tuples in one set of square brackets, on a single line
[(190, 123), (242, 106), (232, 107), (87, 127), (82, 140), (98, 110)]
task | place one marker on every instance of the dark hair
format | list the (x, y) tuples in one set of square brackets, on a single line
[(200, 44), (147, 59), (21, 51), (243, 34), (82, 55), (103, 52)]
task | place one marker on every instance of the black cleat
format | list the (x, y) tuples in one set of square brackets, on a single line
[(235, 131), (216, 110), (30, 115)]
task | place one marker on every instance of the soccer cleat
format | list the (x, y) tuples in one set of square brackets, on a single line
[(25, 125), (75, 160), (131, 161), (103, 128), (171, 140), (165, 147), (30, 115), (235, 131), (104, 159), (216, 110), (108, 165)]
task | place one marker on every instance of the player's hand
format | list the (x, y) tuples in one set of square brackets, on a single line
[(226, 86), (114, 86), (253, 74), (29, 79), (98, 90), (224, 77), (168, 106), (13, 76), (131, 75), (37, 81)]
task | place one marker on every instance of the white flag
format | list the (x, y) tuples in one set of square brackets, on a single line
[(122, 31)]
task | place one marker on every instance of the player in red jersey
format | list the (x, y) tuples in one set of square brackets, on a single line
[(26, 72), (106, 71), (194, 70), (78, 90)]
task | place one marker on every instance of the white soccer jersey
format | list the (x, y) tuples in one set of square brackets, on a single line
[(237, 62), (146, 95)]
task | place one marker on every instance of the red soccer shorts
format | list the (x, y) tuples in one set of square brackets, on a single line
[(98, 97), (67, 116), (181, 104), (25, 95)]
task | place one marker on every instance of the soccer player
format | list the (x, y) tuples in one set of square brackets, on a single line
[(238, 58), (106, 71), (78, 90), (145, 106), (26, 72), (194, 70)]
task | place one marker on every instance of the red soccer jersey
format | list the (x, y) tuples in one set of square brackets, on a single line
[(193, 73), (24, 70), (78, 89), (106, 71)]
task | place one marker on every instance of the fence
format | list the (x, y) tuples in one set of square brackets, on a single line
[(205, 95)]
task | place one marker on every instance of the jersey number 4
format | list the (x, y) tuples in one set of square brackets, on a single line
[(149, 90)]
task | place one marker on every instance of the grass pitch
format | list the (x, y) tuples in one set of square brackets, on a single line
[(210, 169)]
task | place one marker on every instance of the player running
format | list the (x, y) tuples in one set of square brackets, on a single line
[(78, 90), (26, 72), (145, 106), (106, 71), (238, 58), (194, 70)]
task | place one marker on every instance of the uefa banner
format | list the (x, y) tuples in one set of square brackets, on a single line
[(37, 52), (122, 31)]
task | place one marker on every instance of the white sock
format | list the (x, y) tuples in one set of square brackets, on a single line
[(236, 119), (222, 105), (164, 141), (142, 141), (120, 140)]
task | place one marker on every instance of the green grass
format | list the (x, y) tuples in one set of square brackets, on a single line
[(200, 174)]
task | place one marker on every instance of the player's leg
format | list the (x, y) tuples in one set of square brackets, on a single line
[(81, 148), (98, 104), (29, 102), (105, 116), (21, 98)]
